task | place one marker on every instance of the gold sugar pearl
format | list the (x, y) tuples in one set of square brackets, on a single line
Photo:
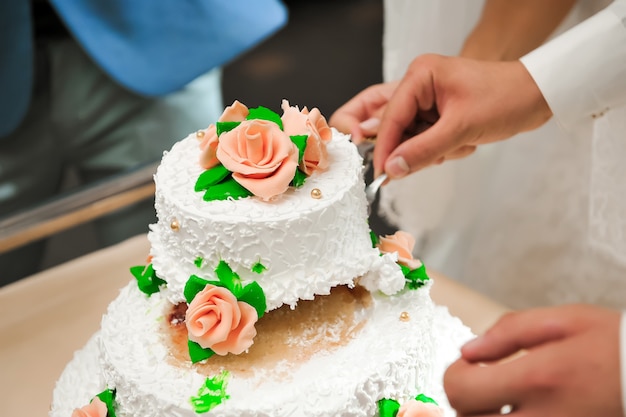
[(174, 225), (404, 316), (316, 193), (200, 134)]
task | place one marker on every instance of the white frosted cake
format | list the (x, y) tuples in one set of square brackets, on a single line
[(265, 292)]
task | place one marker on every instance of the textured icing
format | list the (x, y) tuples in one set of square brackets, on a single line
[(302, 246), (308, 245), (387, 358)]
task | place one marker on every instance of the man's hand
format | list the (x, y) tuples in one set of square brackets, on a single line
[(467, 102), (570, 365)]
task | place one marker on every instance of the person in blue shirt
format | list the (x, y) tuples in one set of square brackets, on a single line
[(102, 86)]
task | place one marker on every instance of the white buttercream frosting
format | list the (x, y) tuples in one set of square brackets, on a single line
[(392, 343), (387, 358), (307, 244)]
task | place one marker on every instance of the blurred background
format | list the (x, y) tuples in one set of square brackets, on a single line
[(328, 51)]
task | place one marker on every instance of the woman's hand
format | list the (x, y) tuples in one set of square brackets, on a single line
[(361, 116)]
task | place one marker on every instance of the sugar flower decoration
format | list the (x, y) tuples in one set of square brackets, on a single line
[(216, 320), (401, 244), (222, 313), (96, 408), (257, 152), (414, 408)]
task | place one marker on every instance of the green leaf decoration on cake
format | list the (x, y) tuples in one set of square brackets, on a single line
[(147, 279), (198, 261), (389, 407), (194, 285), (298, 179), (264, 113), (300, 142), (415, 278), (221, 127), (197, 353), (228, 278), (253, 294), (425, 399), (211, 177), (258, 268), (229, 188), (211, 394), (375, 240), (108, 397)]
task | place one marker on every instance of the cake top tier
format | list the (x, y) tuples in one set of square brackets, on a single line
[(277, 200)]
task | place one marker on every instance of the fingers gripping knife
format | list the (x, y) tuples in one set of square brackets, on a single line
[(366, 150)]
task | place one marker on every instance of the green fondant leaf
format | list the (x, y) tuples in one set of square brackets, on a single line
[(211, 177), (193, 286), (108, 397), (228, 278), (374, 238), (253, 294), (211, 394), (388, 408), (221, 127), (147, 279), (299, 178), (198, 261), (425, 399), (259, 268), (416, 278), (228, 188), (300, 142), (197, 353), (264, 113), (418, 274)]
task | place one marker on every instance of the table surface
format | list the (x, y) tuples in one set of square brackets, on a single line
[(45, 318)]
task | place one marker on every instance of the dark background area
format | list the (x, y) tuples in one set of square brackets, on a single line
[(328, 51)]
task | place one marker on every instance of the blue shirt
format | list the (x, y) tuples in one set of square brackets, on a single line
[(152, 47)]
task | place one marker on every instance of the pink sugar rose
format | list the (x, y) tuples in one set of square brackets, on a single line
[(402, 243), (216, 320), (208, 148), (314, 125), (97, 408), (262, 158), (414, 408), (236, 112)]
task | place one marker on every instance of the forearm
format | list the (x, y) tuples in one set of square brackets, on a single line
[(509, 29)]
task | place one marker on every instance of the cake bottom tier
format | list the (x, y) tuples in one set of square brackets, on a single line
[(334, 356)]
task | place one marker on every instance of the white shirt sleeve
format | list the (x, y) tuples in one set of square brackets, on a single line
[(582, 73)]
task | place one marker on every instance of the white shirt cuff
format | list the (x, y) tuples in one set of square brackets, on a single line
[(582, 73)]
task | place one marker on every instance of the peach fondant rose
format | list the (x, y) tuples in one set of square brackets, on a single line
[(208, 148), (97, 408), (402, 243), (314, 125), (216, 320), (262, 158), (237, 112), (414, 408)]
